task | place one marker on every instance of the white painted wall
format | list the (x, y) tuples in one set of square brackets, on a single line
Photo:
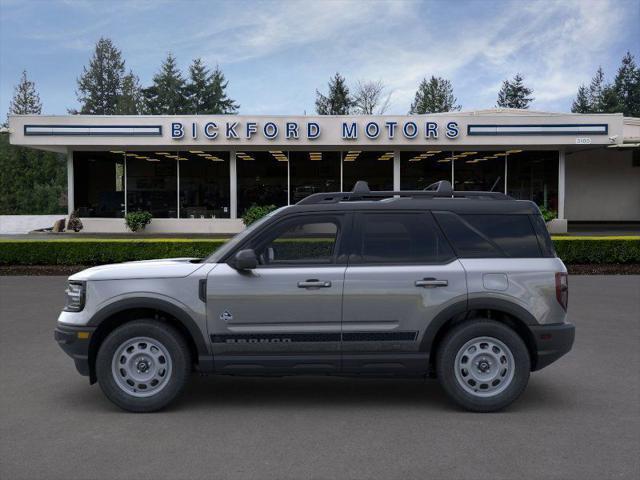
[(11, 224), (166, 225), (602, 185)]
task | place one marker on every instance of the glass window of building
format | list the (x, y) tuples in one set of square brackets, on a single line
[(313, 172), (422, 168), (99, 184), (479, 170), (533, 175), (204, 184), (262, 179), (152, 183), (376, 168)]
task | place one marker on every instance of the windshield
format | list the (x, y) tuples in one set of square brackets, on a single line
[(239, 238)]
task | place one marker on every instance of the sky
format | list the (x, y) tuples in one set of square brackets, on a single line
[(275, 54)]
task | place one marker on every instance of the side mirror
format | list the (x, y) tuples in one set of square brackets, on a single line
[(245, 260)]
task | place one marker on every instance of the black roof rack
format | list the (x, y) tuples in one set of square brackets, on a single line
[(361, 192)]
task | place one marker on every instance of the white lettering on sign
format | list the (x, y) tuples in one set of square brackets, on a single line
[(583, 141)]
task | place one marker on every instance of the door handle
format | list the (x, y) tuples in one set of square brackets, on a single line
[(313, 283), (431, 283)]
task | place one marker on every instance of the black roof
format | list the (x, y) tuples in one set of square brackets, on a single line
[(438, 196)]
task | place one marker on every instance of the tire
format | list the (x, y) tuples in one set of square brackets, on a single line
[(143, 365), (483, 365)]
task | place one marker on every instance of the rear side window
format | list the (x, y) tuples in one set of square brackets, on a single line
[(400, 238), (490, 236), (544, 239)]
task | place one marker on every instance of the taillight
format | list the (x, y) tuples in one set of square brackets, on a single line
[(562, 289)]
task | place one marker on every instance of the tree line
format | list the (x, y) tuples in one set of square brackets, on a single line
[(33, 181)]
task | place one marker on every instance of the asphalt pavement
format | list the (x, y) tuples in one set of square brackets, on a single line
[(578, 419)]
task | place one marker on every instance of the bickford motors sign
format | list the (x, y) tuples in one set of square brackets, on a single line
[(295, 130)]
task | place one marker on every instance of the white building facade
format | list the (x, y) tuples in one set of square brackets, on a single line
[(198, 174)]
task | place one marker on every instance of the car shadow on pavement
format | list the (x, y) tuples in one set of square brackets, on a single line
[(308, 392)]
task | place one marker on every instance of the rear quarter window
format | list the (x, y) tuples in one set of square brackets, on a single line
[(490, 235)]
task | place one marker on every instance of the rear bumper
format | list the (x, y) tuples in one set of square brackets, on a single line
[(75, 343), (552, 342)]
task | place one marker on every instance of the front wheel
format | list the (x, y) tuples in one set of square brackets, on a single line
[(483, 365), (143, 365)]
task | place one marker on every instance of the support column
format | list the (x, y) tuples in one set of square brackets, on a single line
[(561, 182), (233, 185), (396, 170), (70, 183)]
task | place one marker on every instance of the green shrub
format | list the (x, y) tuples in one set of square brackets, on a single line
[(547, 214), (100, 251), (256, 212), (76, 251), (598, 250), (137, 220)]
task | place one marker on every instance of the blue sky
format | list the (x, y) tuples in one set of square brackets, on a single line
[(276, 53)]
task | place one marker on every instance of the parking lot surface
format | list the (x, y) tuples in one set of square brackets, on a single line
[(578, 419)]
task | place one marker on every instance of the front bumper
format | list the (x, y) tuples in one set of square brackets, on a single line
[(75, 343), (552, 342)]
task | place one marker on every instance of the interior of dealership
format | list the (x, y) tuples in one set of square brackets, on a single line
[(196, 183)]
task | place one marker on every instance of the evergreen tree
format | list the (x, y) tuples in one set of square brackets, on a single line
[(167, 95), (433, 96), (25, 99), (206, 91), (130, 101), (596, 91), (100, 85), (514, 94), (581, 104), (338, 101), (219, 102), (627, 86)]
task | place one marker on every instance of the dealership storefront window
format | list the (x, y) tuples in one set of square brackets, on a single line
[(313, 172), (262, 178), (196, 184), (375, 167), (99, 184)]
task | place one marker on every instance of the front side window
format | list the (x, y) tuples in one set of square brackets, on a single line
[(304, 241), (400, 238)]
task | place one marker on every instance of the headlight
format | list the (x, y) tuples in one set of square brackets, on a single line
[(75, 297)]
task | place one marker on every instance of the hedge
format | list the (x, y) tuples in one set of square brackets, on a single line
[(572, 250)]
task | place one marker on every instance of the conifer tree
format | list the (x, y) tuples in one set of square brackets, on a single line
[(338, 100), (206, 92), (514, 94), (627, 86), (167, 94), (25, 99), (100, 85), (581, 104), (130, 101), (434, 95)]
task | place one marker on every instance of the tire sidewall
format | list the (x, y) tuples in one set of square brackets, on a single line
[(176, 349), (456, 339)]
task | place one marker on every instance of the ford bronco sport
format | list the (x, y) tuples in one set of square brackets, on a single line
[(463, 286)]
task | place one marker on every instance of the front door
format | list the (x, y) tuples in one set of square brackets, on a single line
[(284, 315), (401, 274)]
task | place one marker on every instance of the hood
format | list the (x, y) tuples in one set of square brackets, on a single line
[(165, 268)]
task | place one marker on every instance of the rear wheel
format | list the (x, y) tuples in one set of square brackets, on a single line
[(483, 365), (143, 365)]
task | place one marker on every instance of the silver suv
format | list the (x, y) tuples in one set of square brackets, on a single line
[(462, 286)]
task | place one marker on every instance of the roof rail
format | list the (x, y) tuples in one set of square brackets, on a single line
[(361, 192)]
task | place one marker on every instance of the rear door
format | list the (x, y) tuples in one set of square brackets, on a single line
[(284, 315), (401, 274)]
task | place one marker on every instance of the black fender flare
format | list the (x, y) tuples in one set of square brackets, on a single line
[(175, 311), (465, 306)]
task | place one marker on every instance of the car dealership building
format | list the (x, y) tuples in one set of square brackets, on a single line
[(200, 173)]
